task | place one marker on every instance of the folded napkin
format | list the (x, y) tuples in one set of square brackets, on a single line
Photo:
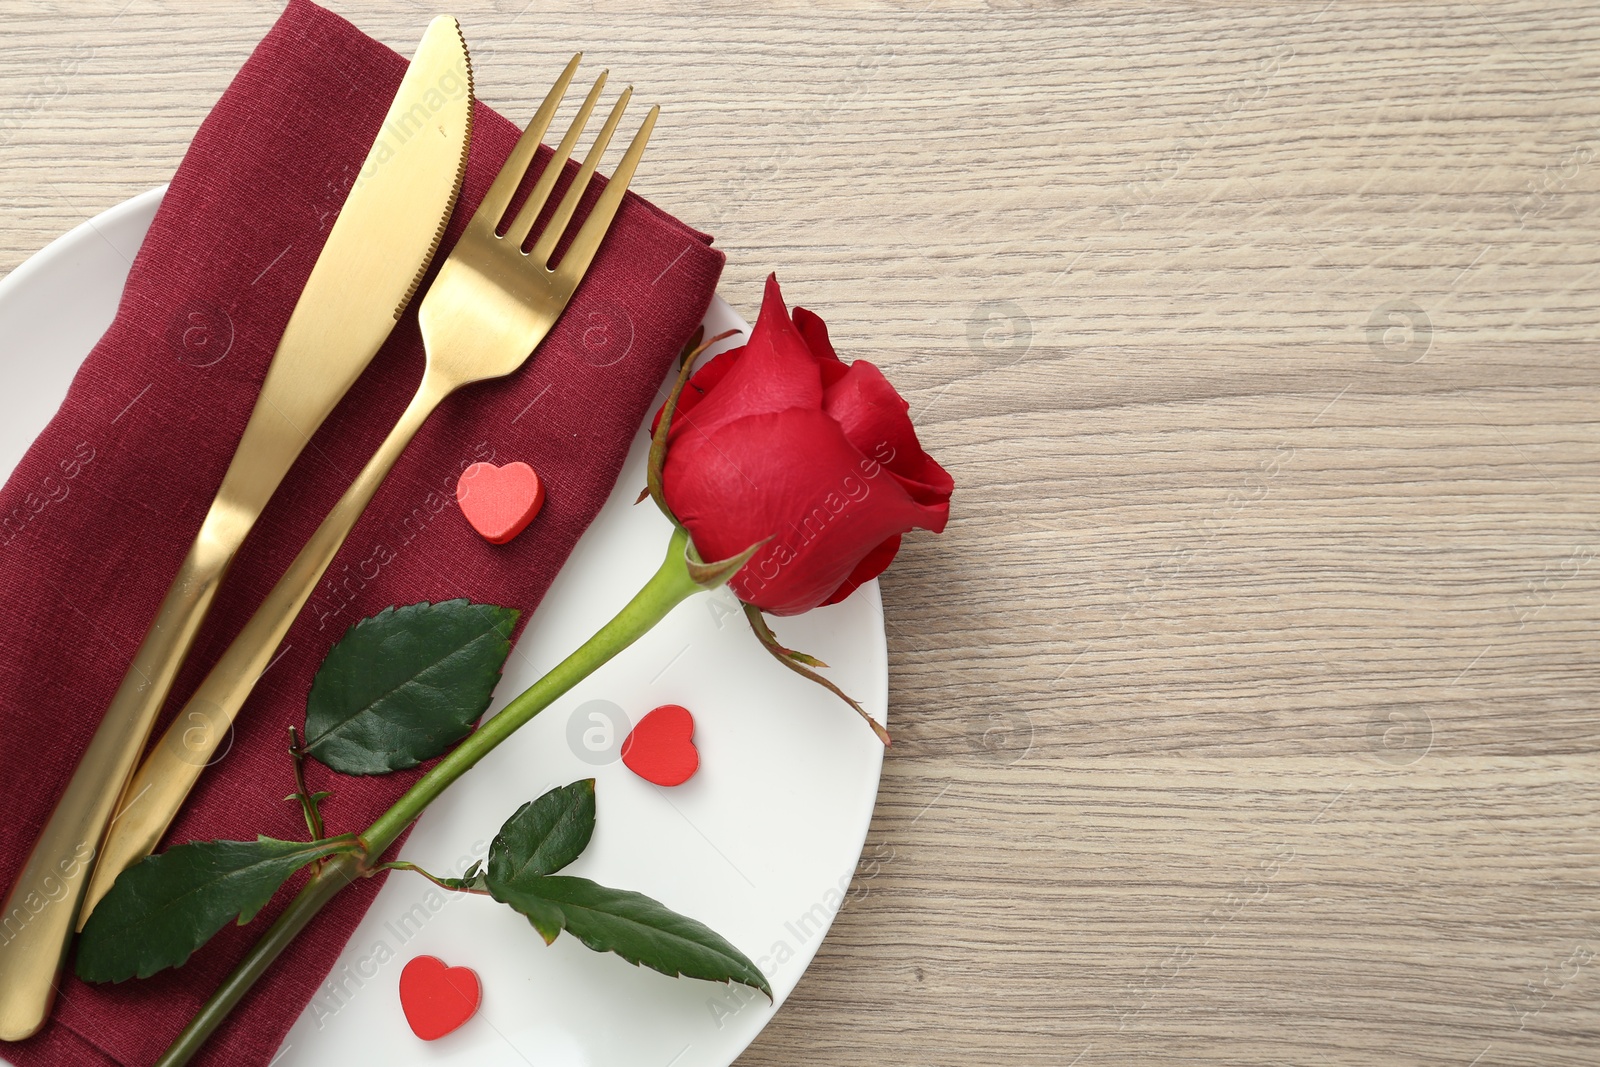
[(141, 443)]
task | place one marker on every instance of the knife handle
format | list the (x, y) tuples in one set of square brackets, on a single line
[(174, 764), (43, 902)]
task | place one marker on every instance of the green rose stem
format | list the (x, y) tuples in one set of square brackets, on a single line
[(680, 576)]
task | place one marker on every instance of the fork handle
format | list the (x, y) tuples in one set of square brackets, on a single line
[(43, 901), (174, 764)]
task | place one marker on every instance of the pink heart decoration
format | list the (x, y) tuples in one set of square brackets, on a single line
[(438, 999), (499, 501), (661, 748)]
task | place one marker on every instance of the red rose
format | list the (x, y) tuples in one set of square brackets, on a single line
[(781, 439)]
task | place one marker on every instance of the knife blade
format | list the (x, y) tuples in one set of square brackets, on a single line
[(375, 256)]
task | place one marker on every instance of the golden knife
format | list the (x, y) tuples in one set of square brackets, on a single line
[(374, 258)]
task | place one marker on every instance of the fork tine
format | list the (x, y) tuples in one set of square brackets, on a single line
[(557, 225), (498, 198), (523, 224), (587, 243)]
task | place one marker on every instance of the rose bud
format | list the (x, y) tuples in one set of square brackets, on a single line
[(781, 439)]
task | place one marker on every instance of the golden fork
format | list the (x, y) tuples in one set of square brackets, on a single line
[(490, 306)]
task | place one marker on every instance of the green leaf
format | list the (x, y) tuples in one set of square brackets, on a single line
[(164, 907), (544, 835), (640, 930), (406, 684), (546, 917), (549, 833)]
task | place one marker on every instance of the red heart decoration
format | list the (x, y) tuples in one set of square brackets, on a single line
[(437, 999), (499, 501), (661, 748)]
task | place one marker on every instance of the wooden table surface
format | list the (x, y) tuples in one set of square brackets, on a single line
[(1246, 712)]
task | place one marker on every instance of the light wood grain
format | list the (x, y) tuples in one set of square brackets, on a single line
[(1247, 712)]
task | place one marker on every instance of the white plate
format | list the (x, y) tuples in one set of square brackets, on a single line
[(761, 843)]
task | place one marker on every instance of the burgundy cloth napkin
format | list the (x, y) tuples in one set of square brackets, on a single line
[(95, 520)]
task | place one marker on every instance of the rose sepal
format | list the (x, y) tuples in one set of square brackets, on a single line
[(713, 575), (797, 662), (658, 438)]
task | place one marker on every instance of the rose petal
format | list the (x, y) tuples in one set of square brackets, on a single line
[(775, 373), (794, 477), (699, 384), (930, 485), (815, 332), (876, 562), (831, 372), (872, 415), (773, 326), (874, 418)]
